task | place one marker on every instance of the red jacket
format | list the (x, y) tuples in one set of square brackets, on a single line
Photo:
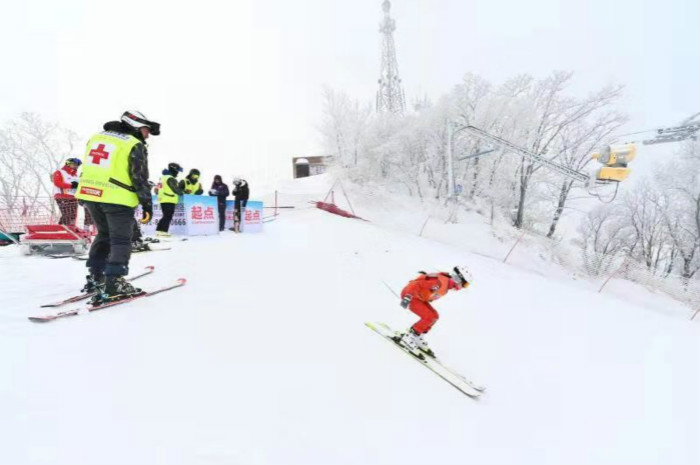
[(62, 182), (430, 287)]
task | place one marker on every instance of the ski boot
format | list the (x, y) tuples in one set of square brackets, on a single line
[(151, 239), (95, 282), (163, 234), (409, 340), (423, 346), (115, 288), (138, 246)]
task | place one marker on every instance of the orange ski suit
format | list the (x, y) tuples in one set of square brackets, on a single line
[(425, 289)]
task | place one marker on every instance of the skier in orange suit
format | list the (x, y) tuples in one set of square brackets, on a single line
[(416, 297)]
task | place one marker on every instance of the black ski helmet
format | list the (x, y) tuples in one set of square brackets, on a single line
[(174, 168)]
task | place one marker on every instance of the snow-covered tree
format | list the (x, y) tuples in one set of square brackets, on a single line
[(606, 235), (679, 200), (344, 125), (550, 113), (31, 149), (644, 207), (576, 143), (657, 222)]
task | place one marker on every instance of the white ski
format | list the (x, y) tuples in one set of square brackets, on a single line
[(453, 378), (472, 384)]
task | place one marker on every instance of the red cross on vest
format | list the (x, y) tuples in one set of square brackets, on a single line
[(98, 154)]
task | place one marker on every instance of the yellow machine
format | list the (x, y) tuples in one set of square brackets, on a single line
[(615, 158)]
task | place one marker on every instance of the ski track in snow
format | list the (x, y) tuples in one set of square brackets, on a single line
[(263, 357)]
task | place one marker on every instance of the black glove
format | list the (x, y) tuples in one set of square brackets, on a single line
[(74, 185), (147, 213), (406, 300)]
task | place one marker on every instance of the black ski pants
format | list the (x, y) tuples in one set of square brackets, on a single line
[(222, 215), (111, 249), (168, 210), (136, 235), (239, 206)]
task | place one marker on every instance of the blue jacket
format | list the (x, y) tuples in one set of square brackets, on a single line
[(220, 191)]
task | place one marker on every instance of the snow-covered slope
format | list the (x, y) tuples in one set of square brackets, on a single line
[(263, 358)]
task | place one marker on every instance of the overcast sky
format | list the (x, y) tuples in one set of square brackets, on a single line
[(237, 84)]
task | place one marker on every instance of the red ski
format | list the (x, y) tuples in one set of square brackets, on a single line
[(179, 283), (148, 270), (45, 318)]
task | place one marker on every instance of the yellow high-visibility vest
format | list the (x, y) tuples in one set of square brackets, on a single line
[(105, 177), (191, 188), (165, 193)]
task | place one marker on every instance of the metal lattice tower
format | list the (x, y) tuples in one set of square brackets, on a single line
[(390, 97)]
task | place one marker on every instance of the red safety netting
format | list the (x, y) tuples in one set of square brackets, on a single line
[(46, 222)]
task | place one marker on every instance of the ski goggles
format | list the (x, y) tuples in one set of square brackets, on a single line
[(151, 125)]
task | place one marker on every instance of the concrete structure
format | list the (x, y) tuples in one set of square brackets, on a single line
[(310, 166)]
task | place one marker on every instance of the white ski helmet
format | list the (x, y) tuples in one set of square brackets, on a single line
[(136, 120), (462, 275)]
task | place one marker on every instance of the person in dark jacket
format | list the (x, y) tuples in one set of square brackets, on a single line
[(191, 184), (169, 193), (240, 193), (220, 191), (113, 183)]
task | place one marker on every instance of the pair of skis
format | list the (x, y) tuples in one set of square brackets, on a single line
[(91, 308), (146, 271), (449, 375)]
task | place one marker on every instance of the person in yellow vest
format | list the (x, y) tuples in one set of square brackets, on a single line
[(169, 193), (114, 181), (191, 184)]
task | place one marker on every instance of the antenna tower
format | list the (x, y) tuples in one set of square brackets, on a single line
[(390, 97)]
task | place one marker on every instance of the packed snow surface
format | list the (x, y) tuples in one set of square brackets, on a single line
[(263, 358)]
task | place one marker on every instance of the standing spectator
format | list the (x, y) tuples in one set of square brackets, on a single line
[(65, 180), (240, 194), (137, 244), (191, 184), (220, 190), (169, 193), (113, 183)]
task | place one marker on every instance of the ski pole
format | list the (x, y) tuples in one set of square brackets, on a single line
[(392, 291)]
